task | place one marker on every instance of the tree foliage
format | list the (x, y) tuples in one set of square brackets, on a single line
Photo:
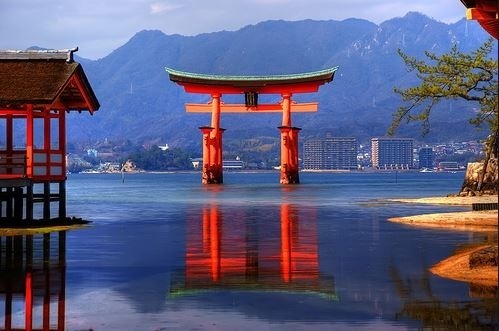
[(156, 159), (454, 75)]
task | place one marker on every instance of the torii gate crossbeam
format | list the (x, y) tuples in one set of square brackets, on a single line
[(251, 87)]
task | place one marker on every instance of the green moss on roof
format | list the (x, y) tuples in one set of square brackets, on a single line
[(286, 77)]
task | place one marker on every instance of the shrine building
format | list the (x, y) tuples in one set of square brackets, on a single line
[(37, 90)]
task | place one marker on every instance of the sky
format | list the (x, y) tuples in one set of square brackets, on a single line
[(98, 27)]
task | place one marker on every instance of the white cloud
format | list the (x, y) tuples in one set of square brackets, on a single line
[(161, 7)]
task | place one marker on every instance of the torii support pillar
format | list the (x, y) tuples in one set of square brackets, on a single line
[(212, 172), (289, 145), (289, 155)]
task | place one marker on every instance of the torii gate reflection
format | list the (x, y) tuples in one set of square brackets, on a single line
[(33, 271), (231, 250)]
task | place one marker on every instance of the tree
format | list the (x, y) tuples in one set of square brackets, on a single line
[(454, 75)]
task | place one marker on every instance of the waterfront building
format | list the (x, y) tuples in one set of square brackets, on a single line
[(392, 153), (426, 157), (448, 166), (37, 90), (331, 153), (236, 164)]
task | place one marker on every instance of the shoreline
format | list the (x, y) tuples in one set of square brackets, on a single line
[(468, 220), (457, 266), (449, 200), (475, 221)]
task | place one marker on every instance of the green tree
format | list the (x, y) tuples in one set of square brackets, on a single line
[(156, 159), (454, 75)]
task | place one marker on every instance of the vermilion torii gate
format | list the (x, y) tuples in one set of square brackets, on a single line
[(251, 87)]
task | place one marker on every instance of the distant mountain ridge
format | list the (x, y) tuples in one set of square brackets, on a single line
[(139, 103)]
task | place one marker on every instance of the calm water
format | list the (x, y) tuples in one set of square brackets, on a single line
[(164, 252)]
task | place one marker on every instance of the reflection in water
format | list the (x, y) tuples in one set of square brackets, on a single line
[(235, 249), (421, 303), (32, 281)]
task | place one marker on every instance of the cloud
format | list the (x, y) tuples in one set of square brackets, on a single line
[(161, 7)]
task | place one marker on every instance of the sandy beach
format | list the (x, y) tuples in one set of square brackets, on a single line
[(462, 221), (457, 266), (476, 221), (451, 200)]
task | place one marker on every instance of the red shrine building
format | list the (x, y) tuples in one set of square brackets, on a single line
[(486, 13), (251, 87), (37, 90)]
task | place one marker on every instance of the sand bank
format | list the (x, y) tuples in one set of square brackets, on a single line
[(457, 267), (6, 232), (462, 221), (458, 201), (481, 221)]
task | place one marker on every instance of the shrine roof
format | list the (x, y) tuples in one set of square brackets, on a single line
[(249, 81), (42, 78), (486, 12)]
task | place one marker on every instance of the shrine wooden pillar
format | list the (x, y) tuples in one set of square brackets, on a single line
[(29, 141)]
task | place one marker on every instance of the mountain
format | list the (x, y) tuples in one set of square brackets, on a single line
[(139, 103)]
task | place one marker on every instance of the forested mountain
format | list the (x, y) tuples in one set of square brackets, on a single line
[(139, 103)]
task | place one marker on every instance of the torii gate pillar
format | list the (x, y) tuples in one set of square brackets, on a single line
[(289, 145), (212, 172)]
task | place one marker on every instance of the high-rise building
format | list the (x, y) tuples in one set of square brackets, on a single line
[(392, 153), (331, 153), (426, 157)]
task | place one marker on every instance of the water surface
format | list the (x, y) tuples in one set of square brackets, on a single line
[(164, 252)]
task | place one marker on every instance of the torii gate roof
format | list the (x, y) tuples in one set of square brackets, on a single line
[(292, 83)]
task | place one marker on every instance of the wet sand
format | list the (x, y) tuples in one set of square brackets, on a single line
[(476, 221), (457, 266), (458, 201), (462, 221)]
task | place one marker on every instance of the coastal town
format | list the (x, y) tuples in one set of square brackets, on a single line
[(111, 157)]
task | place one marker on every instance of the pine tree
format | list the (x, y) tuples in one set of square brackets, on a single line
[(454, 75)]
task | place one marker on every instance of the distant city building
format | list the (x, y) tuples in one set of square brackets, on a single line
[(232, 164), (164, 147), (392, 153), (448, 166), (426, 157), (92, 152), (331, 153), (197, 163)]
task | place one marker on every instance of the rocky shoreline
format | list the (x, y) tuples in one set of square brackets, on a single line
[(462, 266)]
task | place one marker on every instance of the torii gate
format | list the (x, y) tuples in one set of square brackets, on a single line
[(251, 87)]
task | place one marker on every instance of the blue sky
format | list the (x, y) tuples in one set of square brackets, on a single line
[(100, 26)]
